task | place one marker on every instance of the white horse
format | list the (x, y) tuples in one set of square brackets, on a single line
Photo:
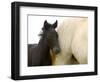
[(73, 40)]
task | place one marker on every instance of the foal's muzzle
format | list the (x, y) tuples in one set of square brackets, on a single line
[(56, 50)]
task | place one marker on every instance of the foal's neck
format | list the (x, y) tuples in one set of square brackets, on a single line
[(43, 44)]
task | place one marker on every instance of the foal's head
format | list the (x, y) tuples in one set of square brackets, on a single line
[(51, 36)]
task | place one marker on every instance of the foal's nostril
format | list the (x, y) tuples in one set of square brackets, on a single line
[(56, 50)]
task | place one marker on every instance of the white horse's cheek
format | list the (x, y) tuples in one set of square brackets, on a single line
[(65, 42), (72, 41), (80, 51), (80, 45)]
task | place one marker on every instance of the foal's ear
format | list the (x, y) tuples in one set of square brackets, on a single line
[(45, 25), (55, 24)]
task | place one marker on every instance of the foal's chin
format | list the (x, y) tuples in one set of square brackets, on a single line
[(53, 56)]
